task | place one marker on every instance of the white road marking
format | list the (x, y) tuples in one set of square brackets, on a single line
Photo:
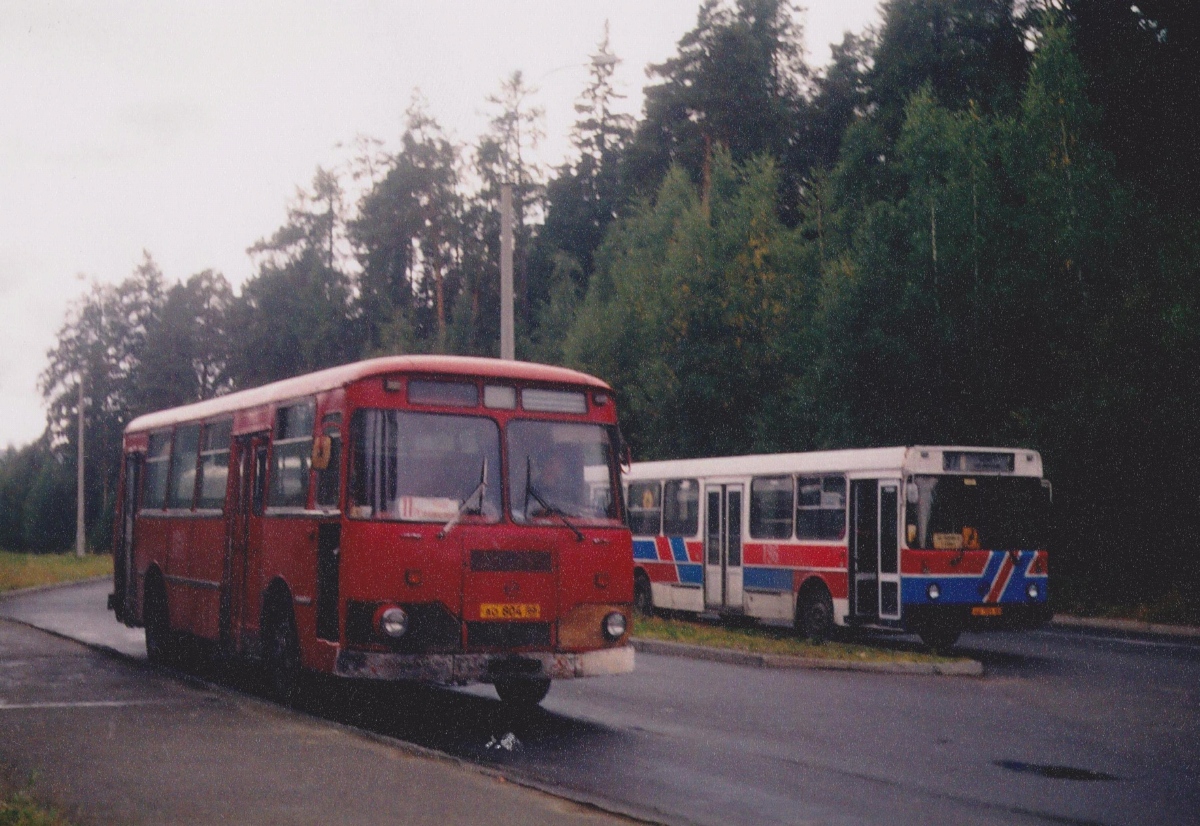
[(80, 704), (1096, 638)]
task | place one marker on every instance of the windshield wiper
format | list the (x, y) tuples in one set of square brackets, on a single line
[(548, 508), (480, 491)]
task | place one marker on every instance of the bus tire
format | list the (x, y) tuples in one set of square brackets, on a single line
[(643, 597), (814, 613), (161, 645), (281, 655), (940, 639), (522, 692)]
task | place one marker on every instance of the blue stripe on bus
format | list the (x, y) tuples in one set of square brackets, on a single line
[(767, 579), (678, 549), (691, 574), (644, 549)]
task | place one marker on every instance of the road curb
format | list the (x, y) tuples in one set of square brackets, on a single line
[(50, 586), (1125, 626), (954, 668)]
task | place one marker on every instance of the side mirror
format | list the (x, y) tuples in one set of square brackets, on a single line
[(322, 449)]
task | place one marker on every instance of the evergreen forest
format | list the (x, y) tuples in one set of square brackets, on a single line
[(979, 224)]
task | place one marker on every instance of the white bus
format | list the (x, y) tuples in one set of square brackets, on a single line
[(931, 540)]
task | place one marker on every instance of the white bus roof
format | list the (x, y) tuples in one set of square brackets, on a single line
[(913, 459)]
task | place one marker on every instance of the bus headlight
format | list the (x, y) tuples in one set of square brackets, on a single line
[(1032, 590), (933, 590), (393, 621), (614, 626)]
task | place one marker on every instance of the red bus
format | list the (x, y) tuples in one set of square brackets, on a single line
[(433, 518)]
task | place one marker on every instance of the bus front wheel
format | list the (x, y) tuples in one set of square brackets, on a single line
[(522, 692), (281, 656), (814, 613)]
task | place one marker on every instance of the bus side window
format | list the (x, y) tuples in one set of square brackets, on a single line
[(771, 507), (681, 507), (821, 507), (260, 478), (214, 465), (329, 479), (645, 508), (158, 461), (292, 455)]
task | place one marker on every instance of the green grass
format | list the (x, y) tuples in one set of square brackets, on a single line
[(20, 809), (29, 570), (1179, 605), (768, 640)]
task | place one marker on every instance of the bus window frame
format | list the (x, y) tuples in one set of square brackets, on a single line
[(687, 480), (267, 506)]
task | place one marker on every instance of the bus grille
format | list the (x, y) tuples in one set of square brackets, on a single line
[(508, 634), (526, 561)]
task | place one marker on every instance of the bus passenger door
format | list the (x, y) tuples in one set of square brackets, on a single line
[(723, 547), (247, 466), (864, 546), (125, 592), (889, 549), (875, 548)]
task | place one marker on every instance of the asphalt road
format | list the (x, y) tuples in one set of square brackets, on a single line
[(112, 741), (1065, 727)]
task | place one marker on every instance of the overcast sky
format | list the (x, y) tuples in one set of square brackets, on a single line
[(184, 128)]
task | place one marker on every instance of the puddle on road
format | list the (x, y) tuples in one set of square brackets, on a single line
[(1055, 772)]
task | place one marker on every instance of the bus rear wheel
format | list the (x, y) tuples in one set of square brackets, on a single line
[(643, 598), (814, 613), (522, 692), (161, 645)]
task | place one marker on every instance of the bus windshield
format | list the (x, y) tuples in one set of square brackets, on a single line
[(976, 512), (423, 467), (561, 470)]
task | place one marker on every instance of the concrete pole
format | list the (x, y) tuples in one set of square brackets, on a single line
[(80, 534), (507, 341)]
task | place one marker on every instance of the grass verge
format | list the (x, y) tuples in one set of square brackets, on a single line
[(769, 640), (30, 570), (20, 809)]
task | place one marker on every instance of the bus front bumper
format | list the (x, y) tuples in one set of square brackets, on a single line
[(460, 669)]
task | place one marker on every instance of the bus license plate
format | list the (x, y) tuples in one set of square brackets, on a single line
[(510, 610), (986, 611)]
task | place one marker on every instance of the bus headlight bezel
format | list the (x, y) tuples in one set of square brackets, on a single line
[(614, 626), (392, 622)]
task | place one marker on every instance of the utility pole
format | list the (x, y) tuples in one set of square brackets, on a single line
[(507, 344), (80, 534)]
